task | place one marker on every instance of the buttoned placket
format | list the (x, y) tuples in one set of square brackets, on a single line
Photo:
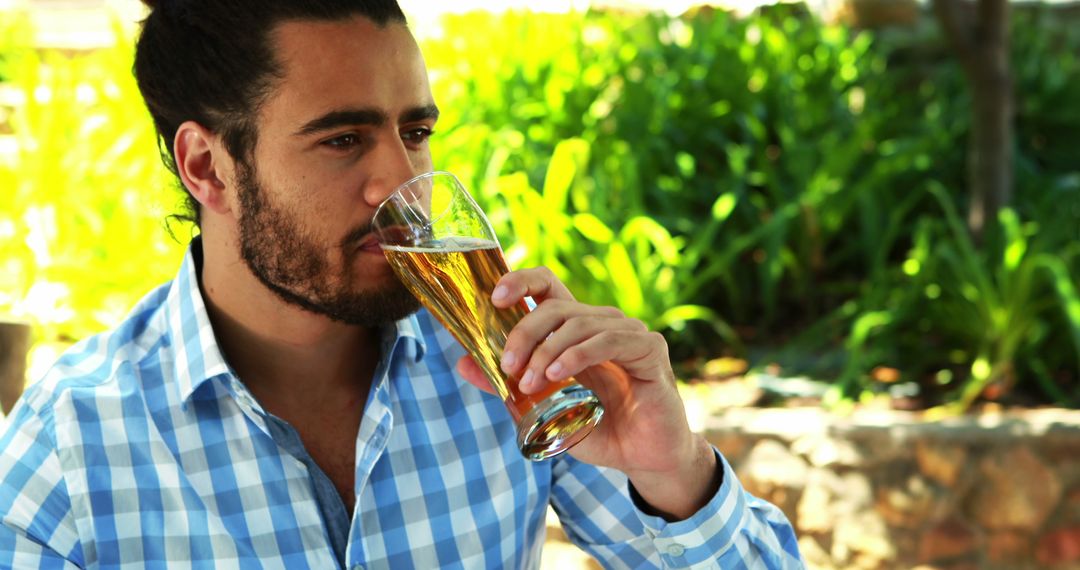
[(373, 437)]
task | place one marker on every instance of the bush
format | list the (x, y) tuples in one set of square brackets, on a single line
[(774, 176), (741, 184), (83, 201)]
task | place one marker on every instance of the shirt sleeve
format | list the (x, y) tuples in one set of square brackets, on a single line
[(37, 528), (599, 513)]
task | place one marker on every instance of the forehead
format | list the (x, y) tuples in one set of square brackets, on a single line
[(345, 63)]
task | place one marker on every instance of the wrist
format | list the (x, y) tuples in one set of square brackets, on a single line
[(678, 493)]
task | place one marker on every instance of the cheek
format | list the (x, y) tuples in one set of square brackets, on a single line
[(421, 161)]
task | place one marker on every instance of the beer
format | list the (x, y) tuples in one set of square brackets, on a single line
[(454, 279), (443, 249)]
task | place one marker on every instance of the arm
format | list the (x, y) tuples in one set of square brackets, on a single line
[(687, 498), (37, 527), (603, 515)]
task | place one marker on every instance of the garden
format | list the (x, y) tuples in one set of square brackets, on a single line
[(785, 198)]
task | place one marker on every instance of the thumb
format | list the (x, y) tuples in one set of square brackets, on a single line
[(472, 374)]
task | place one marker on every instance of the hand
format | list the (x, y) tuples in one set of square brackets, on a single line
[(644, 432)]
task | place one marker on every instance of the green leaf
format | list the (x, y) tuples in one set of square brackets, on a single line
[(650, 231), (570, 155), (625, 280), (685, 313), (1067, 295), (592, 228), (723, 206), (1016, 244)]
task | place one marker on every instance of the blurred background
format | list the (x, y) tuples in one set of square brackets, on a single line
[(842, 205)]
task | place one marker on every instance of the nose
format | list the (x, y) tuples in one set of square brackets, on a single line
[(392, 166)]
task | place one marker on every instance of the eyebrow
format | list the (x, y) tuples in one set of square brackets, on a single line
[(346, 117), (420, 114)]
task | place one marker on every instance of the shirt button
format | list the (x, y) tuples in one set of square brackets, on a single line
[(676, 550)]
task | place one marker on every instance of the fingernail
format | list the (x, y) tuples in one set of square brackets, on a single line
[(509, 359), (527, 380), (554, 370), (501, 292)]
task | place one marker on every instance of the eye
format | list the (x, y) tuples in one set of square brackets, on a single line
[(343, 142), (417, 135)]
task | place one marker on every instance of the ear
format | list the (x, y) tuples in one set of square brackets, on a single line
[(203, 166)]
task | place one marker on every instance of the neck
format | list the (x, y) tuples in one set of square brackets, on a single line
[(291, 359)]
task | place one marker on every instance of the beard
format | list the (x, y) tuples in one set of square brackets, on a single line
[(295, 265)]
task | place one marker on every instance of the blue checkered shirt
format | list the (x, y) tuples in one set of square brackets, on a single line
[(141, 448)]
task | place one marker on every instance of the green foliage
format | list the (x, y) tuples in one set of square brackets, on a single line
[(14, 41), (769, 181), (84, 198), (766, 175), (966, 319)]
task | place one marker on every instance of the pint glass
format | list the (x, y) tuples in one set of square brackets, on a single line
[(442, 247)]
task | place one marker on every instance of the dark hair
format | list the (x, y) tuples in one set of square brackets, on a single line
[(211, 61)]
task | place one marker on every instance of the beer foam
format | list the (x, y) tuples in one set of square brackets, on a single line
[(448, 245)]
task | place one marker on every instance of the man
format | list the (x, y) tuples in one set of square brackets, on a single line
[(282, 404)]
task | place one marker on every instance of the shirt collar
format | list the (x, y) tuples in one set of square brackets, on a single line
[(198, 357), (406, 331)]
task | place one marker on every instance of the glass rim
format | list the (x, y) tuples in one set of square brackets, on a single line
[(397, 189), (397, 193)]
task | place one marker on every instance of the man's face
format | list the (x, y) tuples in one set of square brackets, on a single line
[(347, 122)]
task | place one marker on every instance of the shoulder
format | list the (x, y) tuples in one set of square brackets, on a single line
[(101, 367)]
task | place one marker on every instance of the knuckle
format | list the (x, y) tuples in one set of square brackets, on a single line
[(510, 344), (614, 312), (543, 352), (561, 305), (572, 357), (537, 275), (578, 323), (609, 337)]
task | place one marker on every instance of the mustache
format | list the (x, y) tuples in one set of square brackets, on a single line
[(357, 234)]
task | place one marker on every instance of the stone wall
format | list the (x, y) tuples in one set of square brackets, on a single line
[(890, 490)]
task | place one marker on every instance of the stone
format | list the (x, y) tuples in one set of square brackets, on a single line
[(775, 474), (862, 540), (1061, 546), (730, 445), (1015, 491), (856, 494), (814, 554), (1008, 547), (1070, 506), (825, 451), (1061, 453), (942, 463), (948, 539), (910, 503), (815, 511), (957, 565)]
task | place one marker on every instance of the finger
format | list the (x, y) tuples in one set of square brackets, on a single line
[(539, 283), (643, 355), (467, 369), (535, 327), (544, 364)]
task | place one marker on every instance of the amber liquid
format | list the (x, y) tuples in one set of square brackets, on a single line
[(454, 279)]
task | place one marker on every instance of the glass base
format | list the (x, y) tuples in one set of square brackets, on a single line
[(559, 422)]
